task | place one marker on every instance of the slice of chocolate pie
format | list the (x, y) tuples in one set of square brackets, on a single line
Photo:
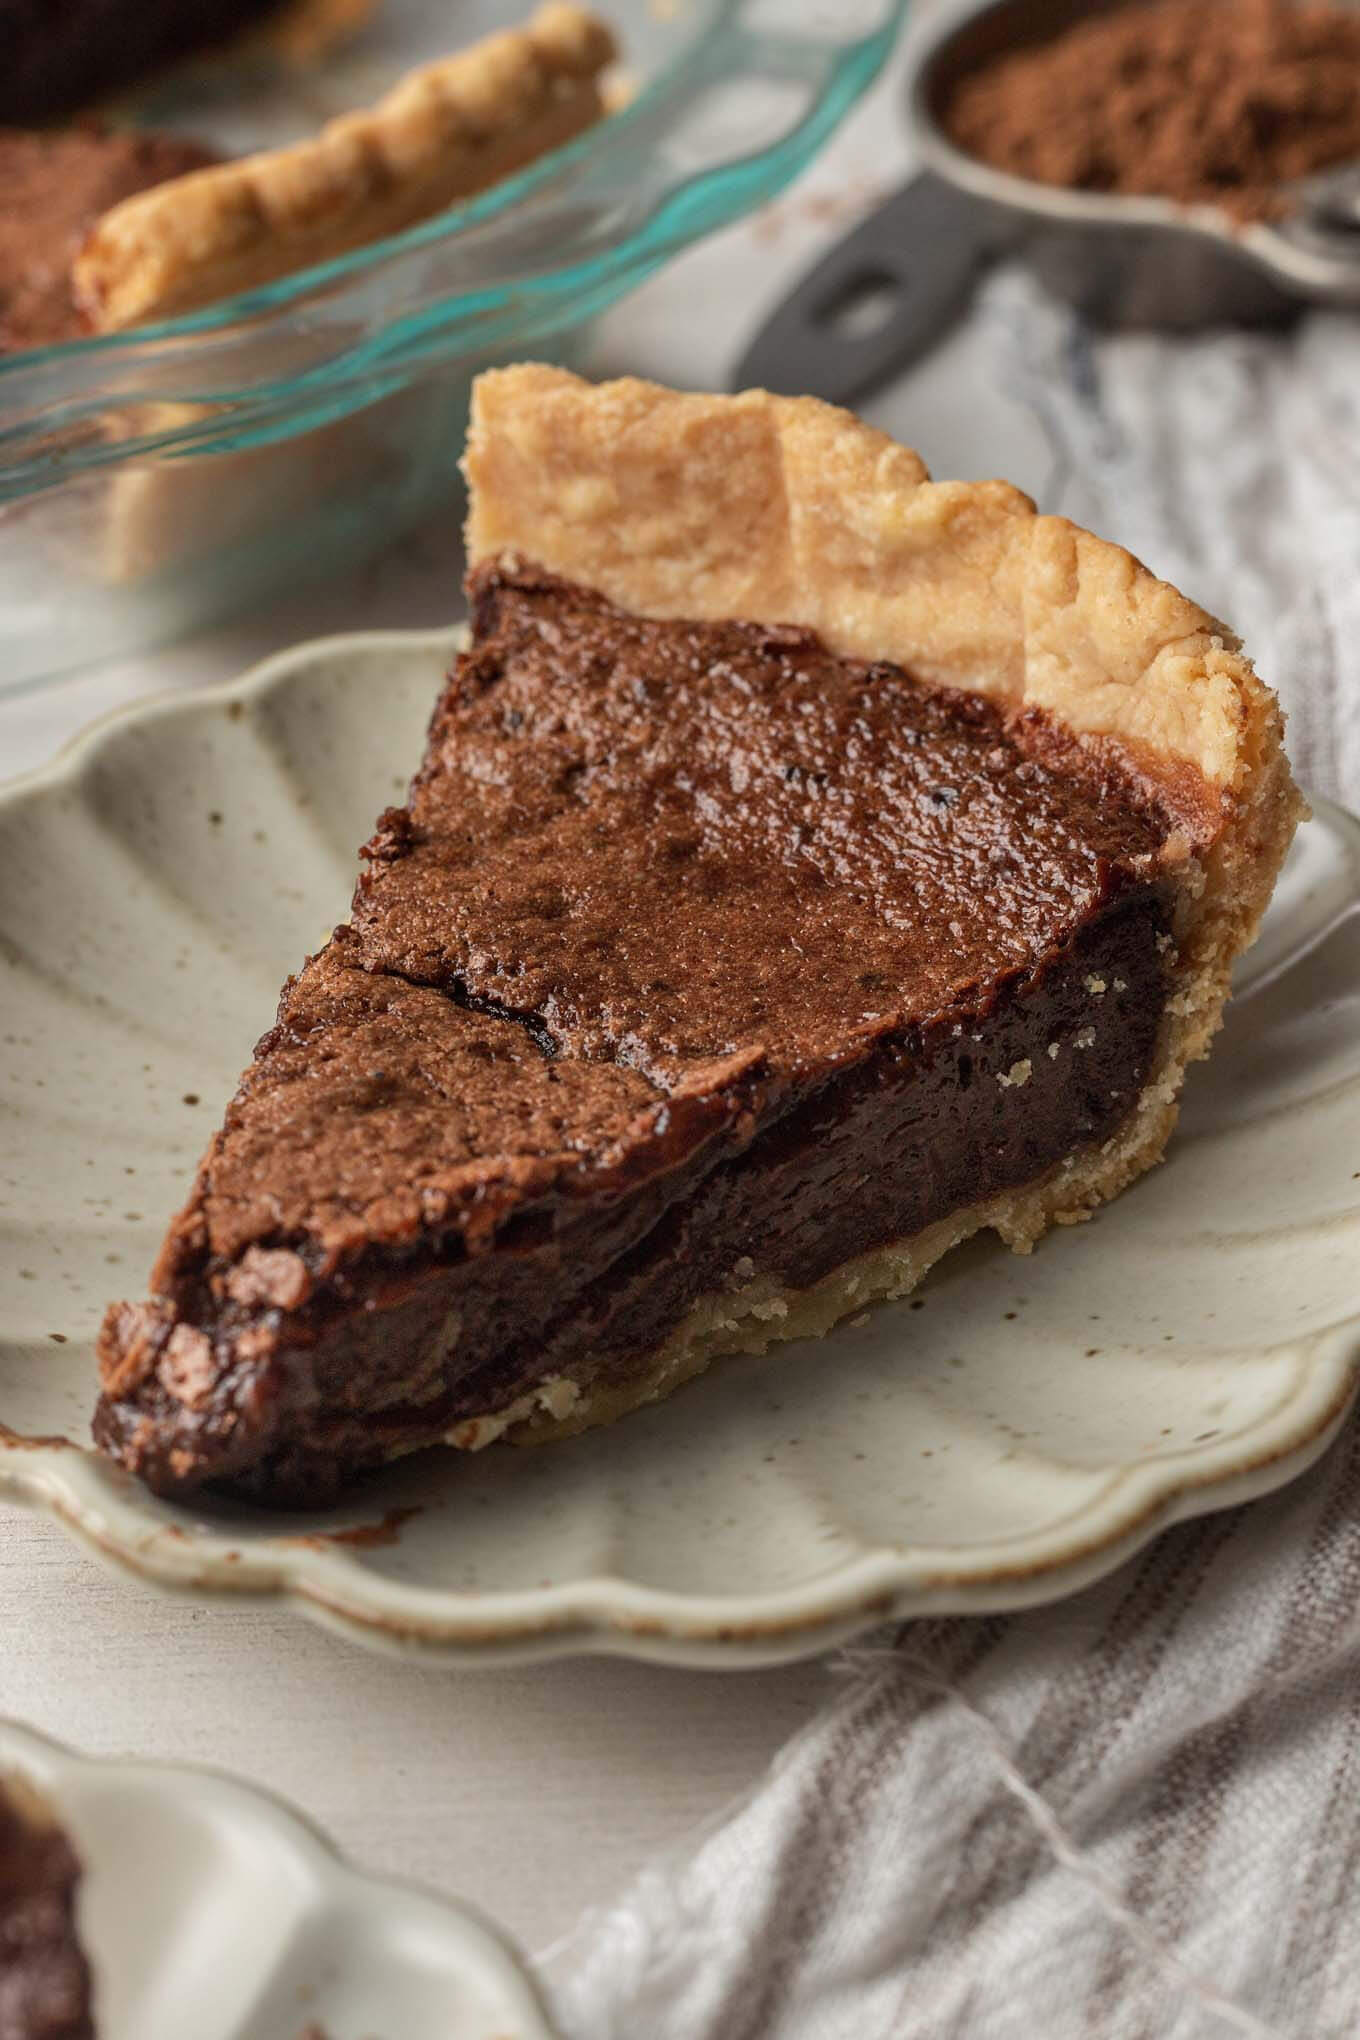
[(44, 1976), (810, 866)]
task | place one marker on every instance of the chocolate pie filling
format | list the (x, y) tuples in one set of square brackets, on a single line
[(698, 954), (55, 185), (44, 1978)]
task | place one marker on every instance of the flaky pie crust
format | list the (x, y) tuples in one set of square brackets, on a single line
[(444, 132), (786, 510)]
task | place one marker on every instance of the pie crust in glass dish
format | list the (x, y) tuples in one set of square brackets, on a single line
[(445, 132), (110, 228)]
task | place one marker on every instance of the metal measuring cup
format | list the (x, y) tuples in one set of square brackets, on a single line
[(1123, 261)]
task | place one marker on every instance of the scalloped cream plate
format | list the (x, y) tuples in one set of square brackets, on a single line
[(1014, 1431), (232, 1884)]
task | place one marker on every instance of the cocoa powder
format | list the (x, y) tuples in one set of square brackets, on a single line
[(1201, 101)]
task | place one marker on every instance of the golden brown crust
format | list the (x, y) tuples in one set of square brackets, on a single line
[(784, 510), (444, 132)]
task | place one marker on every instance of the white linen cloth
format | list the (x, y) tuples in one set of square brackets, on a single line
[(1136, 1815)]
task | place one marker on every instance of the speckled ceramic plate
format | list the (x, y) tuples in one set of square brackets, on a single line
[(231, 1889), (1018, 1428)]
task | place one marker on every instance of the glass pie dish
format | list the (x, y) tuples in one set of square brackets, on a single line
[(152, 480)]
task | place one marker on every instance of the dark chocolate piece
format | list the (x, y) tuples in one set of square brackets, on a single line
[(695, 947)]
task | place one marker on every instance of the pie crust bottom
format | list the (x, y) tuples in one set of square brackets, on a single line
[(759, 1313)]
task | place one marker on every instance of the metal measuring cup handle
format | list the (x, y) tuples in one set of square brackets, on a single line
[(880, 297)]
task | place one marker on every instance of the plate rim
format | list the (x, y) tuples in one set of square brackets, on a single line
[(604, 1614), (486, 1949)]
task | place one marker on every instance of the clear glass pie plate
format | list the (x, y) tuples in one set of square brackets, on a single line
[(154, 479)]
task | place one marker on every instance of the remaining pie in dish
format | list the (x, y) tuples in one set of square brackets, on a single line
[(115, 229), (44, 1977), (810, 866), (448, 130)]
